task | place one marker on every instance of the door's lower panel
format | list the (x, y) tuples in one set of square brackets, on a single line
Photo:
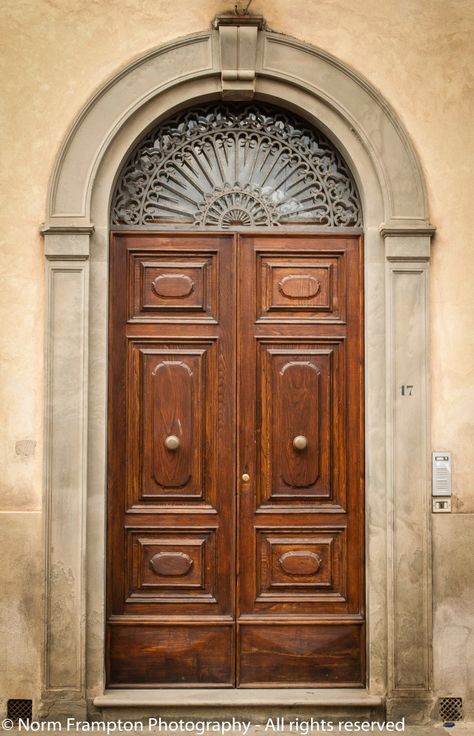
[(171, 655), (301, 654)]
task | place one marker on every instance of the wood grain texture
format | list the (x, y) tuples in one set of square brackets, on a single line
[(300, 392), (171, 512), (300, 562), (176, 380), (235, 345), (174, 655), (300, 370), (309, 655), (296, 388)]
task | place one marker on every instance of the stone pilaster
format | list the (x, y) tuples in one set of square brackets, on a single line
[(408, 492), (67, 287)]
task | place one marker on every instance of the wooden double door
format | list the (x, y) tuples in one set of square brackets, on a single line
[(235, 501)]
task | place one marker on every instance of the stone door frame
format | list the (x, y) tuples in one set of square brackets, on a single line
[(239, 62)]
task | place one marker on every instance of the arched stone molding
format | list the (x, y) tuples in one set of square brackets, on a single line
[(397, 249), (278, 58)]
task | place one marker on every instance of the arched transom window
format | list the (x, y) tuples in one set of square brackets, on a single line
[(225, 165)]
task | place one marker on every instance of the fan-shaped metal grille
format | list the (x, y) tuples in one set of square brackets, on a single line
[(224, 165)]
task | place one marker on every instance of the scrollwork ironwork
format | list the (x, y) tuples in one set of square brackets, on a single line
[(224, 165)]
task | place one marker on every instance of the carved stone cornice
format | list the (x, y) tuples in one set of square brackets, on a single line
[(410, 241), (67, 242), (48, 229), (240, 20), (407, 230)]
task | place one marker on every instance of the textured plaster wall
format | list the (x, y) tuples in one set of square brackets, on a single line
[(55, 53)]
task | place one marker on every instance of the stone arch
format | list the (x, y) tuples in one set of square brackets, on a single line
[(280, 70), (277, 58)]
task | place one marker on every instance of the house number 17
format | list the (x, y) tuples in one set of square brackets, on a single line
[(406, 389)]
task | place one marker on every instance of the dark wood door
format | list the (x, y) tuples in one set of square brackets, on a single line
[(235, 506)]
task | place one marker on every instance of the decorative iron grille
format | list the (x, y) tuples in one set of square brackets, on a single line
[(225, 165), (450, 709), (20, 709)]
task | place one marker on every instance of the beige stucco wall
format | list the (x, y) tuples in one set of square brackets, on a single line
[(419, 54)]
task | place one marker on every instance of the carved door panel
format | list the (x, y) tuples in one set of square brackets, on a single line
[(217, 340)]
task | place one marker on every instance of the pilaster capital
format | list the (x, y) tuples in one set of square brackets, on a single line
[(409, 242), (67, 242)]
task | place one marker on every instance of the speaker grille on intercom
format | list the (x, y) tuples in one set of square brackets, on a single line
[(450, 709), (17, 709)]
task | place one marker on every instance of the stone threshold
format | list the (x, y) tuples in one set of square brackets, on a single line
[(322, 697)]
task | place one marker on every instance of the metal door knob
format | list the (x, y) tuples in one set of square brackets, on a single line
[(300, 442), (172, 442), (245, 477)]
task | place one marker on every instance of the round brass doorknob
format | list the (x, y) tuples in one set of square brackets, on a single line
[(172, 442), (245, 477), (300, 442)]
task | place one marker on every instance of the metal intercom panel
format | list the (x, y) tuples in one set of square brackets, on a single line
[(441, 474)]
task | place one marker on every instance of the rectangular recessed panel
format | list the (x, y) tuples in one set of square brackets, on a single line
[(172, 395), (172, 565), (171, 287), (300, 286), (312, 655), (179, 655), (308, 564), (301, 400)]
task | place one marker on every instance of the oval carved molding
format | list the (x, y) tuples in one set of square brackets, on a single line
[(176, 285), (171, 564), (300, 562), (299, 287), (224, 165)]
